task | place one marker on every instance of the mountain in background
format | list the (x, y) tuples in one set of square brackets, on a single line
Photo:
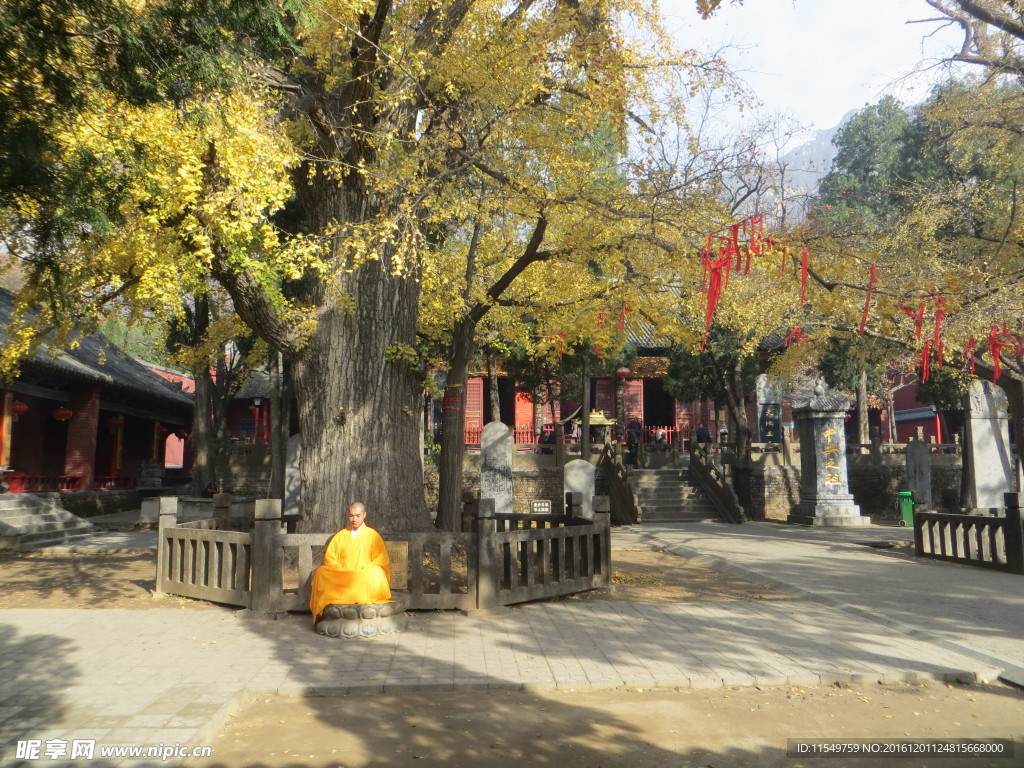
[(807, 164)]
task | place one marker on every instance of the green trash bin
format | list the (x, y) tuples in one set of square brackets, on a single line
[(906, 501)]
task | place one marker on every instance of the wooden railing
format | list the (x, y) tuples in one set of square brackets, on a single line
[(711, 478), (197, 560), (624, 507), (987, 542), (270, 571), (572, 555)]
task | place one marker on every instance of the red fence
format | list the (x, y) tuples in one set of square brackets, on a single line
[(20, 482), (525, 434)]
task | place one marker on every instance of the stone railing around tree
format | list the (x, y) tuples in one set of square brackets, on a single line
[(988, 541), (504, 560)]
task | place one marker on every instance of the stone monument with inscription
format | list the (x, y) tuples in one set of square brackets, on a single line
[(988, 440), (769, 409), (919, 474), (579, 477), (496, 448), (825, 497)]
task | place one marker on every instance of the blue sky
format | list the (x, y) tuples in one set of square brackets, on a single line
[(818, 59)]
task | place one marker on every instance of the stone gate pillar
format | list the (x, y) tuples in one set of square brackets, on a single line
[(825, 497)]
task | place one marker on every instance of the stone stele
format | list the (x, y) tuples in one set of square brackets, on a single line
[(496, 466), (988, 440), (578, 476), (825, 497)]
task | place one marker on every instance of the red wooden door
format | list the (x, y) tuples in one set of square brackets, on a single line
[(604, 397), (633, 400), (474, 409)]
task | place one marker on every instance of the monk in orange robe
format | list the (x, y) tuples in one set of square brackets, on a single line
[(356, 569)]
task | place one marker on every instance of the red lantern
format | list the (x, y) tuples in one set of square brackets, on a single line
[(114, 422), (18, 408), (63, 413), (623, 372)]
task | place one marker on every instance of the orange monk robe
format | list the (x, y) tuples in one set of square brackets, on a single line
[(356, 571)]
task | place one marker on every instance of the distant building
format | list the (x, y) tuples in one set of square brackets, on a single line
[(88, 418)]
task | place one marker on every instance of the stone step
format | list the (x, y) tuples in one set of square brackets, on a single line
[(65, 538), (10, 501), (679, 492), (663, 482), (697, 506), (31, 528), (28, 523), (667, 495), (10, 516), (58, 534)]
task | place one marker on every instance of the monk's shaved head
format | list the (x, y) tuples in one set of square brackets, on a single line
[(356, 514)]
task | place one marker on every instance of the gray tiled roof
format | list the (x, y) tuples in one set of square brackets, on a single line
[(97, 360)]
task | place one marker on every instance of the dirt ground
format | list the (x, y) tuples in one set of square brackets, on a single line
[(115, 580), (71, 580), (733, 728)]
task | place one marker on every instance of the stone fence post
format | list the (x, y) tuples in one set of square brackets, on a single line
[(573, 504), (265, 580), (1014, 533), (486, 547), (168, 518), (222, 510)]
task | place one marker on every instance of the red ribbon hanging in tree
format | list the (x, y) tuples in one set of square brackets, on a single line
[(728, 262), (734, 242), (936, 338), (803, 274), (972, 345), (756, 234), (622, 318), (925, 362), (795, 337), (918, 318), (559, 339), (872, 278), (714, 268), (995, 347)]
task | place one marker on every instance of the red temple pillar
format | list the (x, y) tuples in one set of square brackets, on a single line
[(80, 453), (6, 417)]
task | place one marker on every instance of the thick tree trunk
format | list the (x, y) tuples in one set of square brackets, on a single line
[(453, 444), (359, 410), (278, 427), (203, 437), (863, 428), (492, 378)]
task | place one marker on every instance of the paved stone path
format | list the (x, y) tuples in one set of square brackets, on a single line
[(166, 676), (971, 610)]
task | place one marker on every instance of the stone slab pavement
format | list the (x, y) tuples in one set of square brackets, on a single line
[(170, 676), (973, 611)]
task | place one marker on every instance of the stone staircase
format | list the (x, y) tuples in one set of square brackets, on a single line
[(667, 496), (27, 522)]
